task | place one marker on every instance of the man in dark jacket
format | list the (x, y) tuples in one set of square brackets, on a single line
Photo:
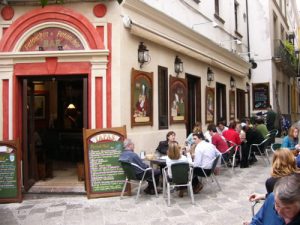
[(252, 137), (128, 155)]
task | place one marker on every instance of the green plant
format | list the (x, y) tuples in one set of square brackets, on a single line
[(291, 50)]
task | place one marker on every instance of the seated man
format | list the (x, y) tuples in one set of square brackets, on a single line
[(163, 146), (252, 137), (283, 205), (128, 155), (204, 153)]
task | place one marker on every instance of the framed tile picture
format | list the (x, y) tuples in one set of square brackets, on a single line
[(141, 98), (209, 105), (178, 100), (232, 104)]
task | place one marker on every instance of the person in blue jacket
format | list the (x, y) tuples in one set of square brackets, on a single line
[(291, 141), (282, 207), (128, 155)]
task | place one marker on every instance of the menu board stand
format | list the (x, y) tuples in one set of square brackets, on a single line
[(10, 172), (103, 172)]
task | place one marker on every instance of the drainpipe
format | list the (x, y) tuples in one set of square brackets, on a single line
[(248, 41)]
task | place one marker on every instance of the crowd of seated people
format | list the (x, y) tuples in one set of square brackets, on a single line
[(282, 198), (200, 150)]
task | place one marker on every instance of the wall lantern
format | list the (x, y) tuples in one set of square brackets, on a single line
[(253, 63), (248, 87), (143, 54), (232, 82), (210, 75), (178, 65)]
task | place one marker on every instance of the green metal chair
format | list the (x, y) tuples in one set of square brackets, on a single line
[(130, 173), (182, 175), (275, 147)]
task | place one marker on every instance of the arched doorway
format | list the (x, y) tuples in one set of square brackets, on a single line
[(58, 47)]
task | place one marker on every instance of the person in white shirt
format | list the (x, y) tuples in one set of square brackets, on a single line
[(203, 158)]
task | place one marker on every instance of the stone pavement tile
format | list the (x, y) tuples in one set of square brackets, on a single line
[(157, 221), (56, 208), (34, 219), (173, 212), (37, 210), (7, 217), (202, 218), (74, 206), (24, 207), (55, 214)]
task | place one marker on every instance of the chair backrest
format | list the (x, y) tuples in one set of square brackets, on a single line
[(275, 146), (180, 173), (267, 138), (215, 162), (129, 170), (273, 132)]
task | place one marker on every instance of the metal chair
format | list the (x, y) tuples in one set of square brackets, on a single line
[(271, 135), (275, 146), (182, 175), (261, 147), (253, 206), (233, 148), (211, 173), (130, 173)]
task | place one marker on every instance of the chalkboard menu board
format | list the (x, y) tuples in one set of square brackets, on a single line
[(102, 149), (10, 172), (260, 96)]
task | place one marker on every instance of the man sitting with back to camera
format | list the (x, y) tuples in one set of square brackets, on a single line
[(128, 155)]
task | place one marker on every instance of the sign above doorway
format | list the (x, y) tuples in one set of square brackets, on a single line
[(52, 39)]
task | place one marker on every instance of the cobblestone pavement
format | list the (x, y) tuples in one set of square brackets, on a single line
[(212, 206)]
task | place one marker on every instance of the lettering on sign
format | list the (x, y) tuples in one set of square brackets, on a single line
[(8, 174), (52, 39)]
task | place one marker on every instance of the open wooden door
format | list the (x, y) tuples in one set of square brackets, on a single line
[(29, 157)]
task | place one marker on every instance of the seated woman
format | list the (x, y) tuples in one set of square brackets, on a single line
[(283, 164), (163, 146), (197, 128), (283, 205), (291, 141), (174, 156)]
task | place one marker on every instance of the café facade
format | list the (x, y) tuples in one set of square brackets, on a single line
[(101, 64)]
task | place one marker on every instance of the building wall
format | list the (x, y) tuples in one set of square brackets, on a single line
[(162, 52)]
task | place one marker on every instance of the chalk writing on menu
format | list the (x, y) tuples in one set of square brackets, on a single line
[(260, 96), (8, 177), (106, 173)]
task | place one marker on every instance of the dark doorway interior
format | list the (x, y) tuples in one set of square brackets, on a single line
[(240, 103), (55, 116), (194, 102)]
